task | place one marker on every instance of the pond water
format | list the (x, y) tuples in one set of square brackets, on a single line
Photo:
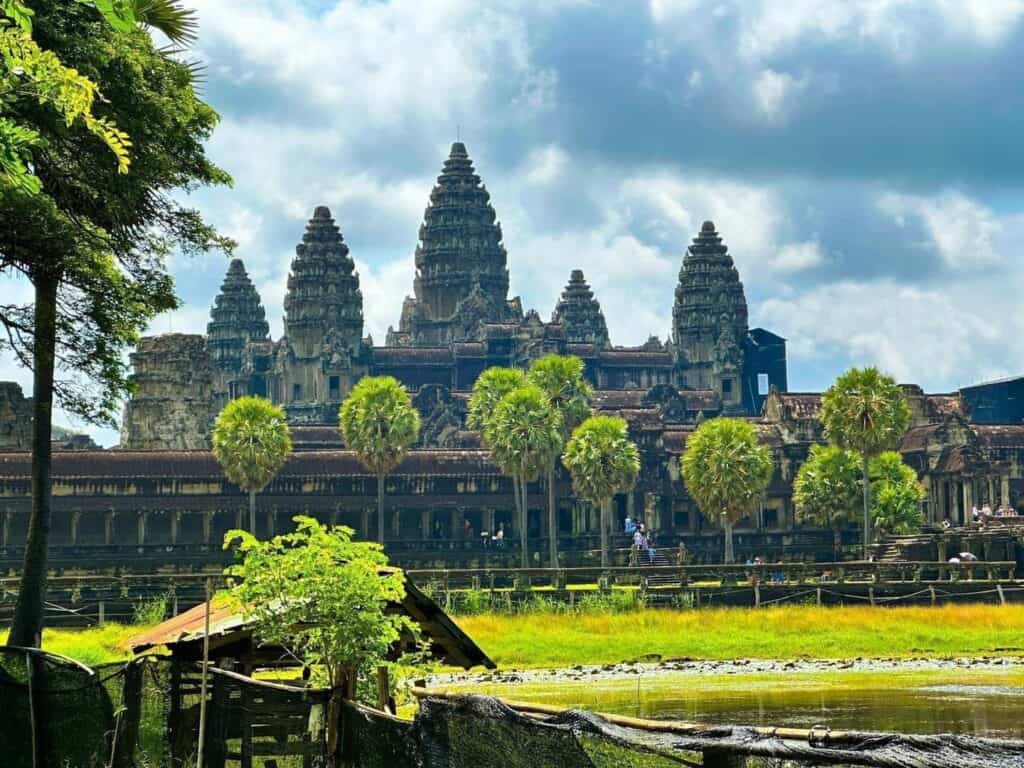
[(984, 706), (983, 710)]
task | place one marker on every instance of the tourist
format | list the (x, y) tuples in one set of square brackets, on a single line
[(438, 532), (968, 557), (485, 539), (499, 536), (946, 524), (975, 514), (638, 535), (986, 510), (467, 530), (629, 526), (651, 551)]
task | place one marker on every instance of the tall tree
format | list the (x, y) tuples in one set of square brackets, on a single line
[(603, 461), (896, 495), (865, 412), (92, 239), (726, 472), (826, 490), (561, 379), (523, 435), (252, 442), (380, 424), (488, 389)]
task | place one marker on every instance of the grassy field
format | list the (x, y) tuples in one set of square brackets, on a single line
[(89, 646), (790, 632)]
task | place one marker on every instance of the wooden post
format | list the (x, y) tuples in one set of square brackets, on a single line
[(383, 694), (757, 594), (1002, 597), (819, 596), (931, 591), (871, 595), (102, 613), (202, 685)]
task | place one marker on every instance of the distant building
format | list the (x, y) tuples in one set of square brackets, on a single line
[(996, 402)]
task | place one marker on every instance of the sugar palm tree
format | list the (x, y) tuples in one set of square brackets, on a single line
[(251, 442), (865, 412), (523, 434), (826, 490), (379, 423), (726, 472), (561, 379), (490, 386), (603, 461), (896, 495)]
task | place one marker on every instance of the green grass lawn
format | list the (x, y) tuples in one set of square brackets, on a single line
[(89, 646), (790, 632)]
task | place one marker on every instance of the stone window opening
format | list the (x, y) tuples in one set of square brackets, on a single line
[(296, 392), (334, 388)]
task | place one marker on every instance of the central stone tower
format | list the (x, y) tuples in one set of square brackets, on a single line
[(709, 319), (461, 264)]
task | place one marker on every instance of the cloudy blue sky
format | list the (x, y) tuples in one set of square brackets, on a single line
[(862, 159)]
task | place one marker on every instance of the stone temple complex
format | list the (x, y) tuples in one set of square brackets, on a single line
[(161, 500)]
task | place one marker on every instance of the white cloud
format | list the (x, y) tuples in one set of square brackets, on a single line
[(794, 257), (545, 164), (964, 233), (772, 90), (937, 338)]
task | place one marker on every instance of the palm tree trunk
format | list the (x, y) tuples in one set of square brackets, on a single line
[(606, 513), (552, 519), (866, 483), (252, 512), (519, 504), (730, 556), (27, 628), (524, 519), (380, 508)]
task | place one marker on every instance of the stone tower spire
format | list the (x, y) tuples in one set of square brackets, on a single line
[(323, 304), (709, 318), (580, 313), (461, 264), (236, 318)]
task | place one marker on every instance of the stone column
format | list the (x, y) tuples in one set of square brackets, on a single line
[(487, 517), (364, 524), (968, 495), (396, 523), (456, 524), (271, 522), (1004, 490), (991, 491), (76, 517), (140, 524), (108, 527), (175, 525), (207, 527), (240, 521), (5, 535), (425, 524), (631, 504)]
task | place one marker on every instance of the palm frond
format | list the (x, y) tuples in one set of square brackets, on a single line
[(179, 24)]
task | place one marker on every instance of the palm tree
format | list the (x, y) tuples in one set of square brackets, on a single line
[(379, 423), (523, 434), (826, 490), (603, 461), (561, 379), (865, 412), (490, 386), (251, 441), (726, 472)]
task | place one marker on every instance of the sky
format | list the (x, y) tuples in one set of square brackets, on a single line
[(861, 159)]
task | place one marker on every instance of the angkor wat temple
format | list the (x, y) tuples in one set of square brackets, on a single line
[(161, 500)]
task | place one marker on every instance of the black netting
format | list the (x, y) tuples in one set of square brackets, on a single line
[(145, 714), (53, 711)]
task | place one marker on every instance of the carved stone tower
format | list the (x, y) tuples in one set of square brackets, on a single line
[(709, 319), (580, 313), (323, 323), (236, 318), (461, 264)]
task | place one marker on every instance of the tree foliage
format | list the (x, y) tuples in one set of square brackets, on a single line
[(251, 442), (865, 411), (603, 461), (561, 379), (379, 422), (726, 471), (488, 389), (524, 435), (896, 495), (319, 594), (827, 487)]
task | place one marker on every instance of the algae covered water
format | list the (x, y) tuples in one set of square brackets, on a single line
[(980, 698)]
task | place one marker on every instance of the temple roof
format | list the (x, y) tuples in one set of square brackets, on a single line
[(237, 317)]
